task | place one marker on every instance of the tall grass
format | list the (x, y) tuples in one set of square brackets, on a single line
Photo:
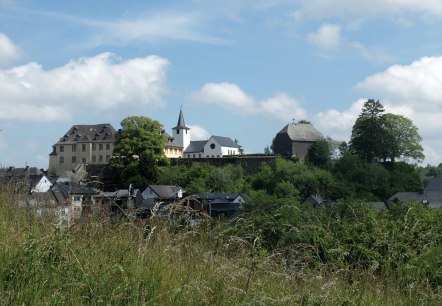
[(103, 261)]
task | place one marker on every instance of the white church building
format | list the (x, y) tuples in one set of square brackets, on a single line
[(214, 147)]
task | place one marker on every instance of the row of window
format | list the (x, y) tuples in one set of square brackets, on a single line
[(84, 160), (83, 147), (199, 155)]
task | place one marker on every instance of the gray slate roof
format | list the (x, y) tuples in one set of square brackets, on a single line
[(103, 132), (165, 191), (196, 146), (226, 141), (181, 124), (302, 132)]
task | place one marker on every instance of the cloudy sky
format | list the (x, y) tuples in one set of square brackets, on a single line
[(238, 68)]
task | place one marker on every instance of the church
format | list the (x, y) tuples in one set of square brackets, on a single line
[(179, 144)]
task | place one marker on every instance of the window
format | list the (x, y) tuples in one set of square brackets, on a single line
[(94, 147), (108, 146), (74, 148), (83, 160), (61, 159), (188, 155), (193, 155), (83, 147), (212, 146), (61, 148), (199, 155), (74, 159), (107, 158), (94, 159), (100, 158), (100, 147), (177, 131)]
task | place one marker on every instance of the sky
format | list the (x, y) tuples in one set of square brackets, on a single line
[(238, 68)]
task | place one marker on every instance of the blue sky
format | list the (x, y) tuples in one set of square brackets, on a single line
[(238, 68)]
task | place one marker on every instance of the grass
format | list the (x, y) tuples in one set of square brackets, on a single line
[(115, 262)]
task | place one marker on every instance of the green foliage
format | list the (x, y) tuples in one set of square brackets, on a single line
[(139, 151), (400, 139), (366, 137), (319, 154), (305, 180), (377, 136), (203, 178)]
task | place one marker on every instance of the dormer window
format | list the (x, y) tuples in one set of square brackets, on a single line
[(107, 136), (74, 130), (77, 137), (97, 137)]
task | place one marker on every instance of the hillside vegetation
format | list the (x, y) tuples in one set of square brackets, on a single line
[(343, 255)]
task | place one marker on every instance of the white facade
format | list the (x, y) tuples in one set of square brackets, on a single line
[(181, 136), (43, 185), (214, 149)]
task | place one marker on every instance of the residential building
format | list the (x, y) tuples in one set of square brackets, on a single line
[(296, 139), (215, 146), (218, 205), (172, 149), (82, 144), (155, 194), (25, 180), (430, 195)]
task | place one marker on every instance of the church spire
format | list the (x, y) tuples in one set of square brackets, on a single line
[(181, 124)]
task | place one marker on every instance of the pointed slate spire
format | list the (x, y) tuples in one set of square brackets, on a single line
[(181, 124)]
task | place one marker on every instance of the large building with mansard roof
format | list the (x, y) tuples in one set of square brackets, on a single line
[(82, 144)]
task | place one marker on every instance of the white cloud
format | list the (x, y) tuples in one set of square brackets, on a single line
[(363, 9), (409, 90), (283, 107), (231, 97), (374, 56), (327, 37), (416, 85), (198, 133), (338, 124), (89, 85), (9, 52)]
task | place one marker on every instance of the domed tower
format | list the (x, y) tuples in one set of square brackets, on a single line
[(181, 133)]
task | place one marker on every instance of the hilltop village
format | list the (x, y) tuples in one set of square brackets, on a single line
[(83, 154), (142, 166)]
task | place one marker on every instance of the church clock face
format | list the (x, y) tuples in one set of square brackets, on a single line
[(212, 146)]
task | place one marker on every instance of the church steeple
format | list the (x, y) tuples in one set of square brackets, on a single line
[(181, 133), (181, 124)]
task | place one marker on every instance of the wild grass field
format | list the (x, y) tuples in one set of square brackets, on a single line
[(119, 262)]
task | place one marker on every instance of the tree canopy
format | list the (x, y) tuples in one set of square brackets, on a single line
[(139, 151), (380, 137)]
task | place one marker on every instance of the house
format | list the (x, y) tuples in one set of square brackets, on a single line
[(172, 149), (180, 145), (430, 195), (27, 180), (215, 146), (115, 201), (155, 194), (220, 204), (295, 139), (82, 144)]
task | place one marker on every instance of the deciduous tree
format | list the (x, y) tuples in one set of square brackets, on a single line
[(139, 151)]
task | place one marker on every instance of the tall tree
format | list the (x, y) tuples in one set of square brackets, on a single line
[(139, 151), (319, 154), (401, 139), (367, 132)]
